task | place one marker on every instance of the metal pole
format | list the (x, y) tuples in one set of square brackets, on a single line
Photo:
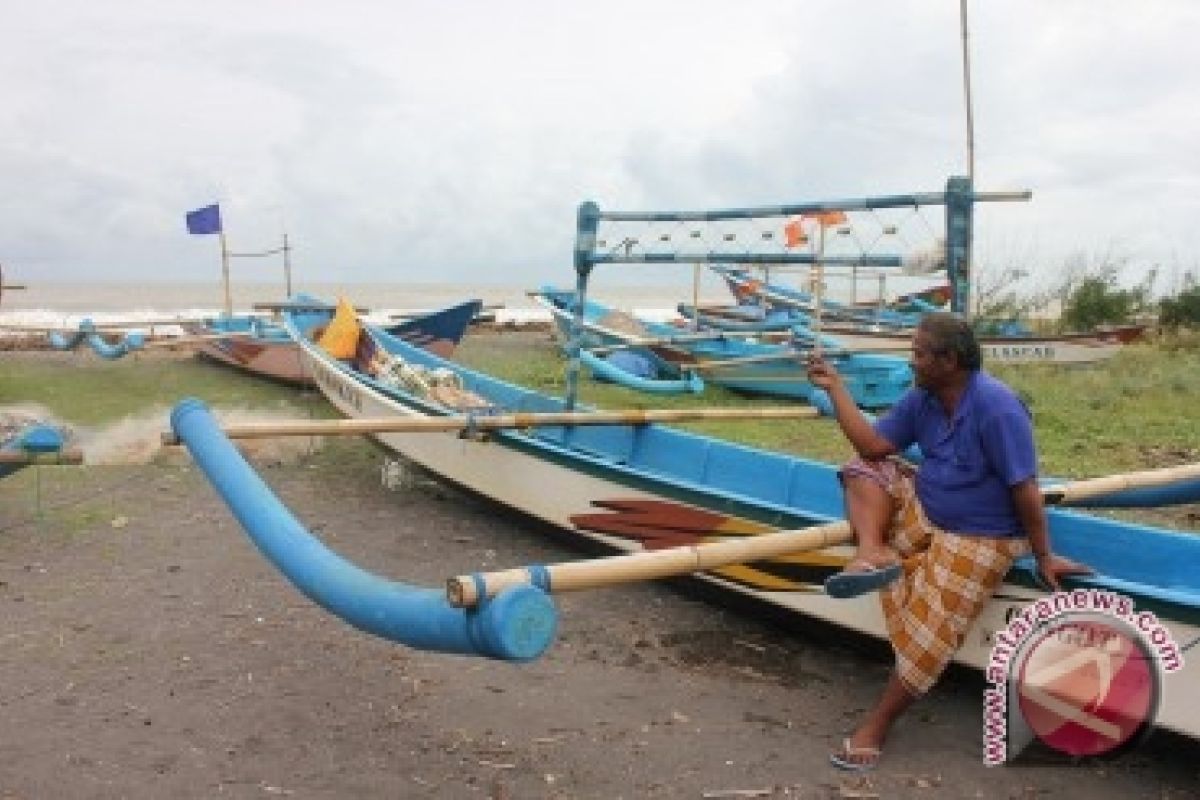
[(587, 222)]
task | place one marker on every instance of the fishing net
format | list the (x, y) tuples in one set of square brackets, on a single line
[(440, 384), (909, 235)]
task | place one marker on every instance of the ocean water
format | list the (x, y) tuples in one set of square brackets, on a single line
[(63, 305)]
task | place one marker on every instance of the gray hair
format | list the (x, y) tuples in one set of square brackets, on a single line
[(950, 333)]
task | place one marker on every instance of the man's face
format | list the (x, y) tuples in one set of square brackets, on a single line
[(930, 368)]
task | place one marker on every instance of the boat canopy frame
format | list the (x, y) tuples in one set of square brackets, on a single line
[(958, 198)]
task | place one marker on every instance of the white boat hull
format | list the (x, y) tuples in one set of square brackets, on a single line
[(1068, 349)]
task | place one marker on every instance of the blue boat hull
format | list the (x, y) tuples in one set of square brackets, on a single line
[(874, 381)]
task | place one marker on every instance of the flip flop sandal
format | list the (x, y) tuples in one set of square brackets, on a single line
[(846, 584), (855, 759)]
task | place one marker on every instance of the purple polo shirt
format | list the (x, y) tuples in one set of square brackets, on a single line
[(971, 461)]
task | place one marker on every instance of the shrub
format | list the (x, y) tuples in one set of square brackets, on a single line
[(1097, 301), (1181, 311)]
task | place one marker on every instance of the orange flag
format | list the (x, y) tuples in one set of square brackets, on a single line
[(826, 218), (793, 233)]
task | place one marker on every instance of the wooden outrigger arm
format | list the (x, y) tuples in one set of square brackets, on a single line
[(354, 427)]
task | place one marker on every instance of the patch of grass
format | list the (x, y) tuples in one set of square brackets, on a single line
[(1119, 415), (1134, 411), (82, 389)]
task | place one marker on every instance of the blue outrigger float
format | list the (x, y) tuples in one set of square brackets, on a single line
[(636, 486), (35, 442)]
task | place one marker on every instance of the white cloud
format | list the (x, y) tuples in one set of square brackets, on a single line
[(414, 141)]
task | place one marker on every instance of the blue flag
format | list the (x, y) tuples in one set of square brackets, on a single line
[(205, 220)]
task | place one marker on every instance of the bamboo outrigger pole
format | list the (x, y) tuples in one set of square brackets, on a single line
[(966, 65), (354, 427), (69, 456), (186, 341), (228, 296), (467, 591)]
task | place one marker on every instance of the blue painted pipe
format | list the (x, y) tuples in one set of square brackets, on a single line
[(517, 625)]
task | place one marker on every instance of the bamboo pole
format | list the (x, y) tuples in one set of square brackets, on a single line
[(354, 427), (665, 341), (184, 341), (970, 115), (818, 287), (1075, 491), (70, 456), (287, 266), (765, 358), (284, 305), (966, 65), (228, 298), (798, 356), (466, 591), (99, 326)]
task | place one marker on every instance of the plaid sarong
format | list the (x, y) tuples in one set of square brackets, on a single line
[(947, 579)]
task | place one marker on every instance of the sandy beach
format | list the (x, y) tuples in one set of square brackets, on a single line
[(149, 651)]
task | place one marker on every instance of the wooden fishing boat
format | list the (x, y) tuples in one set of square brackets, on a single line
[(748, 289), (1069, 348), (747, 318), (737, 363), (887, 333), (640, 487), (260, 345)]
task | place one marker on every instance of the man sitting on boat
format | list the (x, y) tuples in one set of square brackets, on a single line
[(938, 541)]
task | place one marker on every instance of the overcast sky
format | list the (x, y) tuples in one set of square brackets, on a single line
[(452, 141)]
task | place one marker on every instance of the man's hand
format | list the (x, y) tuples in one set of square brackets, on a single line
[(821, 373), (1052, 567)]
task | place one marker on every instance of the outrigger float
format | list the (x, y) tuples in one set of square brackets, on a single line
[(752, 523), (33, 442)]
